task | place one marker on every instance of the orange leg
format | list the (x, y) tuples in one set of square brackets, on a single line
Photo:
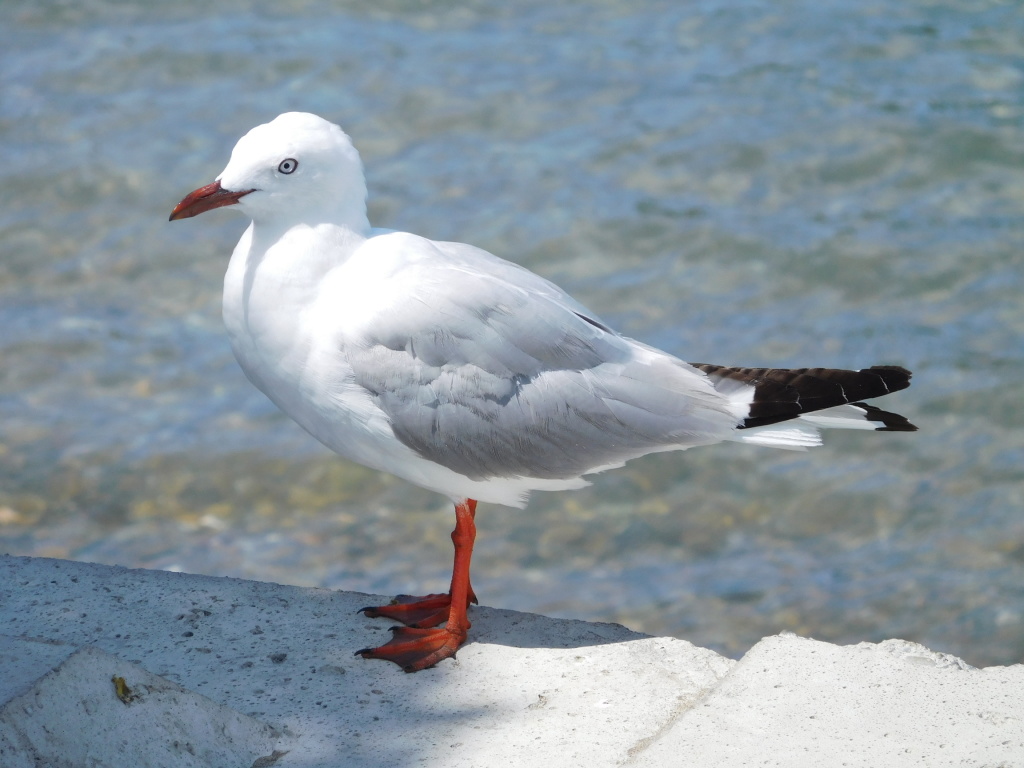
[(421, 644)]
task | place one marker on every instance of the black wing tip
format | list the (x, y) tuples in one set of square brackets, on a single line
[(895, 377), (906, 426), (781, 394), (891, 422)]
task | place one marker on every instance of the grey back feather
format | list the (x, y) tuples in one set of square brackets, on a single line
[(496, 372)]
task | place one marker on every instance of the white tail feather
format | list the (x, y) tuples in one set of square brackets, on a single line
[(790, 435)]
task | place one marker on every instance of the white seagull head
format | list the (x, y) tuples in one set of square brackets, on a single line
[(298, 168)]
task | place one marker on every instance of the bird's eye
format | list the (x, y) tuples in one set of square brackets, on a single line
[(288, 165)]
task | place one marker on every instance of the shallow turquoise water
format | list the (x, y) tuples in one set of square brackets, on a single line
[(794, 183)]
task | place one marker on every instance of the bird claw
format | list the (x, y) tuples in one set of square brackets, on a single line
[(415, 649), (416, 611)]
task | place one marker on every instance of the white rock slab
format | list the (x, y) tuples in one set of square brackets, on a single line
[(797, 702), (525, 690)]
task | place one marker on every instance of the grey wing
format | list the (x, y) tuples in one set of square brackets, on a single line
[(493, 377)]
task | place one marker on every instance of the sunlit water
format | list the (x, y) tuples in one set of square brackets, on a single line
[(785, 183)]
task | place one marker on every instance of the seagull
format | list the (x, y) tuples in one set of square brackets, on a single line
[(461, 372)]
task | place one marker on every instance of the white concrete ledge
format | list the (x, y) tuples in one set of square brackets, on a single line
[(224, 672)]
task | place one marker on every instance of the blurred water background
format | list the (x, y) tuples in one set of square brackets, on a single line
[(784, 183)]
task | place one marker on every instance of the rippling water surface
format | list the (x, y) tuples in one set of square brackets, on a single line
[(756, 183)]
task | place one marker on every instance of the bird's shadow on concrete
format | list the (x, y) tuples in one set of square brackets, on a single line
[(515, 629)]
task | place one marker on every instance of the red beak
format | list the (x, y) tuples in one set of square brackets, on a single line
[(206, 199)]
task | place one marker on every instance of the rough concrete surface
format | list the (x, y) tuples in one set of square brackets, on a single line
[(98, 709), (230, 672)]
